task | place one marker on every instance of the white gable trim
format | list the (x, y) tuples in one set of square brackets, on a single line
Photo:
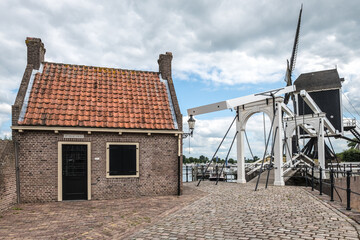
[(170, 101), (28, 91)]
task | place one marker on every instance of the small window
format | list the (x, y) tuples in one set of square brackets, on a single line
[(122, 160)]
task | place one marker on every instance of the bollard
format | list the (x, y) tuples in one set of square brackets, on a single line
[(217, 171), (202, 172), (187, 173), (331, 185), (320, 178), (348, 190), (312, 178), (337, 170), (194, 172)]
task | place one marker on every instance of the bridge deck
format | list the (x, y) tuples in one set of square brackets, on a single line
[(234, 211)]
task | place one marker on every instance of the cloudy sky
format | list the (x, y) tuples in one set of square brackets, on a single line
[(222, 49)]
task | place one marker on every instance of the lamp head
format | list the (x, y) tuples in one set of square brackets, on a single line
[(191, 123)]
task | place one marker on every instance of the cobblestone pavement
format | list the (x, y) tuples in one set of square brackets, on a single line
[(106, 219), (233, 211)]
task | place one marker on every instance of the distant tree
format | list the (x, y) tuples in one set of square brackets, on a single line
[(231, 161), (351, 155), (340, 156), (351, 144), (185, 160), (6, 137), (256, 158)]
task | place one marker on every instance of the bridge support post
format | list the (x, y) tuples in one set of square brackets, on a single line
[(240, 152), (288, 150), (278, 147), (321, 147)]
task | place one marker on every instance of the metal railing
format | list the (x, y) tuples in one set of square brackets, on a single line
[(349, 122), (334, 173), (193, 173)]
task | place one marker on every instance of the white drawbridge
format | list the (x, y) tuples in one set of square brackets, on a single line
[(284, 122)]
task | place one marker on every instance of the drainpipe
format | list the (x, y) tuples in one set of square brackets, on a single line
[(17, 171), (179, 164)]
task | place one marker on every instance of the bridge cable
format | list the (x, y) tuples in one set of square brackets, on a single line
[(351, 104), (286, 145), (303, 106), (296, 129), (266, 146), (270, 166), (202, 178), (356, 122), (217, 179), (332, 149), (247, 140), (264, 128)]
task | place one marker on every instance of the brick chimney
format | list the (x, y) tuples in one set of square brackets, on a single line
[(35, 52), (165, 71), (165, 65)]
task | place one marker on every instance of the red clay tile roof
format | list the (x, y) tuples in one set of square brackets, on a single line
[(81, 96)]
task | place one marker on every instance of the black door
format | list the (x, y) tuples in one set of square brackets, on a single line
[(74, 171)]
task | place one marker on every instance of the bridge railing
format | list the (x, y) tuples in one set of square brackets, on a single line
[(314, 175), (349, 122)]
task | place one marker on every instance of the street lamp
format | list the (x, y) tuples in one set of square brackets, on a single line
[(191, 123)]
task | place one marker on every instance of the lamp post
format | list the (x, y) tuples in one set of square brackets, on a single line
[(191, 123)]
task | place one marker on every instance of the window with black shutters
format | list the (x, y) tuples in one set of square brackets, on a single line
[(122, 160)]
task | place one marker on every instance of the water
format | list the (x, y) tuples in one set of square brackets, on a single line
[(189, 174), (230, 177)]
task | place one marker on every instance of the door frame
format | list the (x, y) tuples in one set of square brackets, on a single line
[(60, 187)]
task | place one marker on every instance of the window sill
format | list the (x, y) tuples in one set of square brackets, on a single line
[(123, 176)]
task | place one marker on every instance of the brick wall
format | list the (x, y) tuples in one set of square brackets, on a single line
[(7, 175), (38, 156)]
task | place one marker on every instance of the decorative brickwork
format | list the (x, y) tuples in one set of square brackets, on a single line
[(38, 159), (7, 175)]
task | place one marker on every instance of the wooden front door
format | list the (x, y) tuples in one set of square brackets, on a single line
[(74, 172)]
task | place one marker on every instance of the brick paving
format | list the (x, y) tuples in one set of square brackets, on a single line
[(104, 219), (233, 211), (226, 211)]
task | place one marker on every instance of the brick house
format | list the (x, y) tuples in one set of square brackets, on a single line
[(84, 132)]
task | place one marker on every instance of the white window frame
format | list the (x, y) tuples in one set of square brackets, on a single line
[(108, 160)]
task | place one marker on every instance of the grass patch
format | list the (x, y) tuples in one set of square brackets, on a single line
[(17, 208)]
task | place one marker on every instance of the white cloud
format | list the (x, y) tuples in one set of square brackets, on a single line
[(219, 43), (5, 134), (5, 108)]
